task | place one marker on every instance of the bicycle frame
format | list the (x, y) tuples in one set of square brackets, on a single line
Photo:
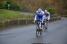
[(39, 25), (39, 29)]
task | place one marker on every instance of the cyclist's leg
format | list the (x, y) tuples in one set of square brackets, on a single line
[(46, 24), (43, 26)]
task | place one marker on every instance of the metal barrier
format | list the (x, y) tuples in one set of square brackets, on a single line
[(17, 22)]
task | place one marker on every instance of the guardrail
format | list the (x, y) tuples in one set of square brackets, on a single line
[(17, 22)]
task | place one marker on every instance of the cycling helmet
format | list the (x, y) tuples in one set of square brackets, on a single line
[(46, 11), (39, 10)]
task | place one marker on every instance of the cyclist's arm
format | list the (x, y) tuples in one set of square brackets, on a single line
[(35, 18), (48, 16)]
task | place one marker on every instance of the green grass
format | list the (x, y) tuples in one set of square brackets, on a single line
[(12, 15)]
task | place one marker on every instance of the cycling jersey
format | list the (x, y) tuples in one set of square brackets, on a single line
[(39, 16)]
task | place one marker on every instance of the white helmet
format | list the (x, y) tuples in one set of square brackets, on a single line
[(39, 10), (46, 11)]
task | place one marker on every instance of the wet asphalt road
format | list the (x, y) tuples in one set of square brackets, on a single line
[(56, 34)]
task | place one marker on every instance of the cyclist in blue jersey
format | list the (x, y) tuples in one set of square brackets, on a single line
[(39, 16)]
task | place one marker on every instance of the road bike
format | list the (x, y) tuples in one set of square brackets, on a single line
[(39, 28), (45, 24)]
